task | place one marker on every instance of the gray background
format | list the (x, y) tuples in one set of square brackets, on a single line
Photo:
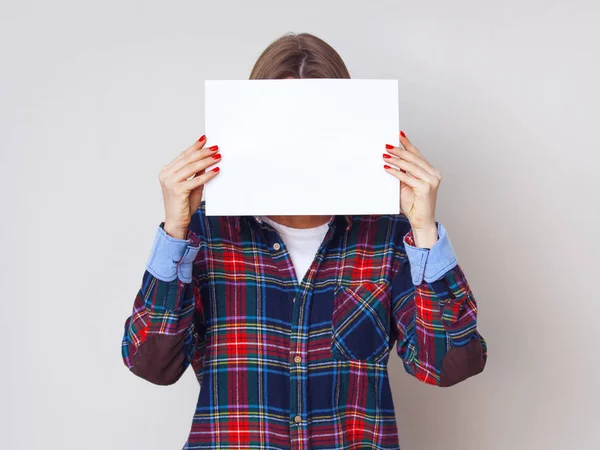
[(95, 97)]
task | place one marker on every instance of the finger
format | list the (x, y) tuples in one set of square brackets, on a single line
[(195, 166), (193, 157), (174, 165), (201, 179), (413, 169), (414, 158), (405, 178), (197, 145), (407, 144)]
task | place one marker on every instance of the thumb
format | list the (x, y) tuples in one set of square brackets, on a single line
[(196, 196)]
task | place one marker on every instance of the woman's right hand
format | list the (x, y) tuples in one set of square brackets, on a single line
[(181, 195)]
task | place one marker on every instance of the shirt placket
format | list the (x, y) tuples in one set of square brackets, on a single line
[(298, 357)]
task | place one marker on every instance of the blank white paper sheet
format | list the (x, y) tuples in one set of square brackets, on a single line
[(301, 146)]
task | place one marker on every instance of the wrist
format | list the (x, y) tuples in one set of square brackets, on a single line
[(425, 237), (175, 231)]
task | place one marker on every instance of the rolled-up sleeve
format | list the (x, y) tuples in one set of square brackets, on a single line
[(171, 258), (430, 264)]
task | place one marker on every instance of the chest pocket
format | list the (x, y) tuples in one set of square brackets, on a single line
[(360, 324)]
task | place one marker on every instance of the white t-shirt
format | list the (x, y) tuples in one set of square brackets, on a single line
[(301, 243)]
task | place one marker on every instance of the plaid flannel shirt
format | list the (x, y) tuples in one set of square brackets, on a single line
[(299, 364)]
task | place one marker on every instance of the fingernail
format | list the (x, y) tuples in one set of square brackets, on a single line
[(216, 169), (385, 166), (217, 156), (402, 133), (385, 155), (202, 138), (213, 148), (389, 146)]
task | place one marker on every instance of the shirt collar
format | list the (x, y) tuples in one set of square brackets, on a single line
[(337, 219)]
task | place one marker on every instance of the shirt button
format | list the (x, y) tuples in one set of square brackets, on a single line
[(297, 419), (297, 359), (276, 246)]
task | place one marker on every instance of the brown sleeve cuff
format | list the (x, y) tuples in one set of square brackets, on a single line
[(463, 362)]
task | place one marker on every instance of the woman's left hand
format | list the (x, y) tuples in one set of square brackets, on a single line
[(419, 184)]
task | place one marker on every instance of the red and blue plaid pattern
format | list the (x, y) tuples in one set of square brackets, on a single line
[(288, 364)]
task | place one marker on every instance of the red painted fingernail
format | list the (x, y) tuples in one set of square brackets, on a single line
[(216, 169), (202, 138), (402, 133), (389, 146), (217, 156), (385, 155), (213, 148), (385, 166)]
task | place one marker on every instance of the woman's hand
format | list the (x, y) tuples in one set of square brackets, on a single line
[(182, 182), (419, 183)]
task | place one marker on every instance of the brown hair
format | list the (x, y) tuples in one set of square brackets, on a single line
[(299, 56)]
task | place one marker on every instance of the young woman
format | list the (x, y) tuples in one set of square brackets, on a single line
[(289, 321)]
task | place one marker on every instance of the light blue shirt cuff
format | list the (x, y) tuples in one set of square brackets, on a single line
[(171, 258), (431, 264)]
